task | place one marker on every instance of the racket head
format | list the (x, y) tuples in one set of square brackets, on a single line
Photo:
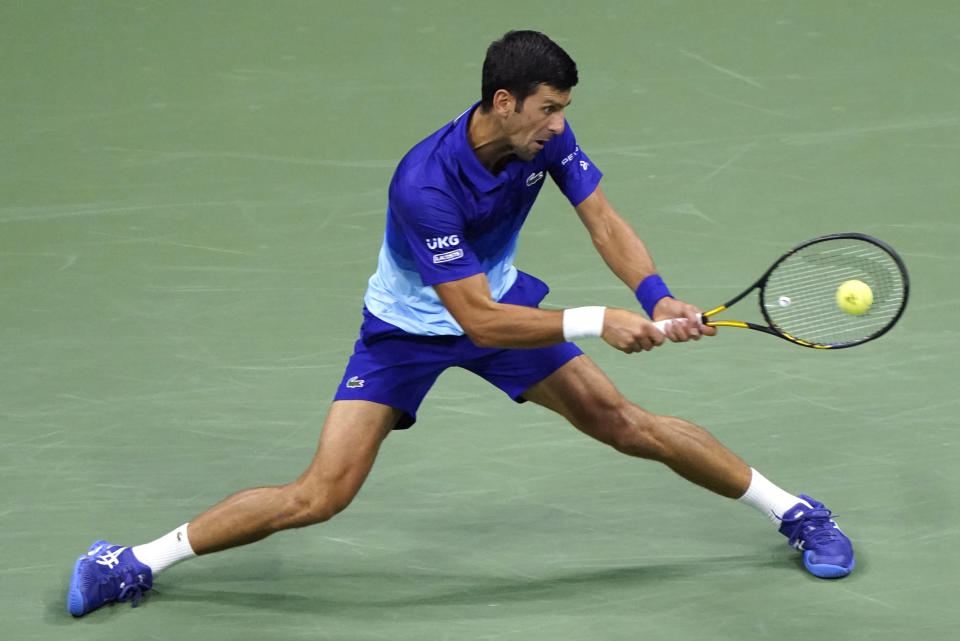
[(798, 294)]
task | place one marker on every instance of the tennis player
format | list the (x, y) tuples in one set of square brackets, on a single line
[(446, 293)]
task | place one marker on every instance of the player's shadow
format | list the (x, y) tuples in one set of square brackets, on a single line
[(364, 590), (274, 586)]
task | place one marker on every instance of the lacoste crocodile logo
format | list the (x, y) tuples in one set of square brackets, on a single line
[(355, 382)]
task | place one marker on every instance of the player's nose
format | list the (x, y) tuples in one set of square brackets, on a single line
[(557, 123)]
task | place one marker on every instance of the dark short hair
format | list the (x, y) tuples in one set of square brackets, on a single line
[(520, 62)]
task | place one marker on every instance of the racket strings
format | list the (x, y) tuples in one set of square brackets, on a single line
[(799, 297)]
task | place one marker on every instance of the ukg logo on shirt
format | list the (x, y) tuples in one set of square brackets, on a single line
[(442, 242)]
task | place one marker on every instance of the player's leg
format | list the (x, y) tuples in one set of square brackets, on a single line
[(385, 380), (349, 443), (583, 394), (350, 440)]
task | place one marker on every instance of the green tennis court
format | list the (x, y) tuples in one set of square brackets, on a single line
[(193, 195)]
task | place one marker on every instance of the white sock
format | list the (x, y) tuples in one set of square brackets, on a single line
[(169, 549), (768, 498)]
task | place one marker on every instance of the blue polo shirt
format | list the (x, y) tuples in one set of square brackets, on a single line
[(448, 218)]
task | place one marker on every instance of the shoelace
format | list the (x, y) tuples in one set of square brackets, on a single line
[(131, 589), (815, 528)]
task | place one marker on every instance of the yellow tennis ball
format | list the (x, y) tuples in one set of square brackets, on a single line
[(854, 297)]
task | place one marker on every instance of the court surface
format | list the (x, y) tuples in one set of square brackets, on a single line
[(193, 197)]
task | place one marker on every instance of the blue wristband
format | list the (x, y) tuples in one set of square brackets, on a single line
[(650, 291)]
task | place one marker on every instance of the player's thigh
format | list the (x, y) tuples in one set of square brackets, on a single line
[(586, 397), (349, 442)]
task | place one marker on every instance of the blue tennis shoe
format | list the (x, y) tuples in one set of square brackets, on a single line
[(106, 573), (827, 552)]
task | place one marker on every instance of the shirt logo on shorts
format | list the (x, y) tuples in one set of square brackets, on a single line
[(355, 382), (442, 258), (534, 178), (442, 242)]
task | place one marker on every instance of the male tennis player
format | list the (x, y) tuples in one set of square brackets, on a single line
[(446, 293)]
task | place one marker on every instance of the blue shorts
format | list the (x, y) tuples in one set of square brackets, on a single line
[(395, 368)]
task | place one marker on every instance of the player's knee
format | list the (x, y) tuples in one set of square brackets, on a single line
[(635, 432), (313, 510), (311, 505)]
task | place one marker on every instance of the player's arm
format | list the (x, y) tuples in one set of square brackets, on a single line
[(627, 256), (492, 324)]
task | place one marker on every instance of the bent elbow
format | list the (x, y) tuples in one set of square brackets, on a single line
[(480, 337), (602, 237), (481, 333)]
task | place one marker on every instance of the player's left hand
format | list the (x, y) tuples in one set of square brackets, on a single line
[(686, 329)]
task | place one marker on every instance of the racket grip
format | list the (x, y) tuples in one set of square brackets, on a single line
[(662, 325)]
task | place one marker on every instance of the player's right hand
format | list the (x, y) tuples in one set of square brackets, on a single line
[(630, 332)]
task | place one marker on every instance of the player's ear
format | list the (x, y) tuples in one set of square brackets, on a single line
[(504, 102)]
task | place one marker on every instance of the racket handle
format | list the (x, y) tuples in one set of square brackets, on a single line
[(662, 325)]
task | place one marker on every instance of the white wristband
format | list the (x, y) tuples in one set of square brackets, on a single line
[(583, 322)]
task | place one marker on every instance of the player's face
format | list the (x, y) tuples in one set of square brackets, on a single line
[(539, 119)]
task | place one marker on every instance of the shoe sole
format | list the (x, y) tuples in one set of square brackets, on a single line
[(74, 598), (825, 571), (75, 603)]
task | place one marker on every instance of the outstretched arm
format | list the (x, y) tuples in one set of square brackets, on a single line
[(628, 258), (492, 324)]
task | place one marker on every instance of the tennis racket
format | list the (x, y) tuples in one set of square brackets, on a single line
[(798, 294)]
